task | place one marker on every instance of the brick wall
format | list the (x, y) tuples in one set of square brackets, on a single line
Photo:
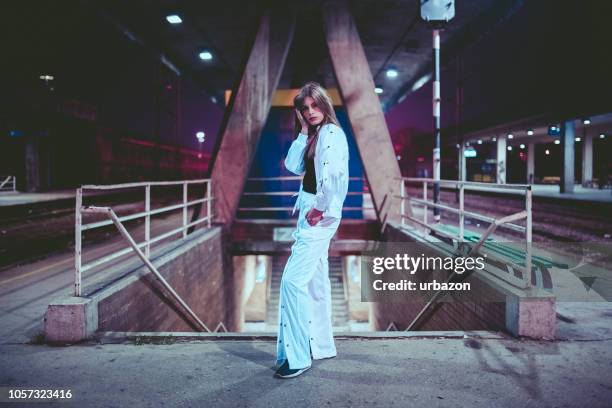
[(460, 312), (200, 272)]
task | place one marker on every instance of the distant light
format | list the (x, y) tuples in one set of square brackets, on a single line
[(530, 132), (420, 159), (213, 99), (199, 155), (471, 152), (420, 82), (577, 139), (557, 141), (510, 136), (547, 152), (602, 136), (586, 121), (553, 130), (201, 136), (174, 19), (378, 90), (522, 146), (392, 73), (509, 148), (46, 77), (467, 144), (494, 139), (398, 157), (206, 56), (479, 141), (458, 146)]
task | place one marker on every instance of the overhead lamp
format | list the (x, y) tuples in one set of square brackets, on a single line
[(510, 136), (378, 90), (547, 152), (557, 142), (206, 56), (201, 136), (577, 139), (522, 146), (530, 132), (479, 141), (586, 121), (494, 139), (602, 136), (392, 73), (509, 148), (174, 19)]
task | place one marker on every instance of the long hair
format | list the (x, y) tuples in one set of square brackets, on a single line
[(324, 102)]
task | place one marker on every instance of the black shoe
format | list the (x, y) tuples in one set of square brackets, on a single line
[(285, 372)]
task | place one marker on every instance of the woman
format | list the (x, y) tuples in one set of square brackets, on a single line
[(320, 153)]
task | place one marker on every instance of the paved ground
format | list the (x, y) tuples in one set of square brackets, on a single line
[(409, 372)]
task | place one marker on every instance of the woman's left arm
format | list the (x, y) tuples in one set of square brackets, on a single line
[(333, 165)]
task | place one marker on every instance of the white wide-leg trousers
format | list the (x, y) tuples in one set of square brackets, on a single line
[(305, 307)]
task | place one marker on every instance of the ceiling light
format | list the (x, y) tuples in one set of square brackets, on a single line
[(577, 139), (586, 121), (509, 148), (378, 90), (174, 19), (547, 152), (522, 146), (557, 141), (479, 141), (205, 55), (530, 132), (494, 139), (602, 136), (392, 73), (510, 136)]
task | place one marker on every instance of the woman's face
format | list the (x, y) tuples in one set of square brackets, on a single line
[(312, 113)]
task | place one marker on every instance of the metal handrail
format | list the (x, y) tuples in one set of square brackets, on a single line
[(8, 183), (292, 193), (146, 214), (507, 221), (115, 220)]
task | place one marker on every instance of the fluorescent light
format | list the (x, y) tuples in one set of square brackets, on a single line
[(530, 132), (510, 136), (378, 90), (586, 121), (200, 135), (174, 19), (577, 139), (392, 73), (522, 146), (509, 148), (557, 141), (494, 139), (206, 55)]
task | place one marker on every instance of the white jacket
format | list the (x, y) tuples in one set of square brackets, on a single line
[(331, 168)]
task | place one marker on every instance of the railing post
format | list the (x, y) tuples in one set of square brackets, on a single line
[(148, 220), (14, 183), (77, 242), (425, 207), (461, 209), (528, 238), (402, 194), (208, 201), (185, 209)]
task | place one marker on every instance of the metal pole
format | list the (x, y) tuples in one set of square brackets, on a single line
[(208, 202), (148, 220), (528, 237), (184, 210), (461, 209), (425, 207), (402, 193), (77, 242), (436, 114)]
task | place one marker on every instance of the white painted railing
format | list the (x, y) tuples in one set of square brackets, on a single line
[(146, 214)]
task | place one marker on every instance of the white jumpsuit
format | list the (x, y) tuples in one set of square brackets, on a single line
[(305, 307)]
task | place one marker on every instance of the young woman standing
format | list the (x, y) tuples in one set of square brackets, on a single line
[(320, 153)]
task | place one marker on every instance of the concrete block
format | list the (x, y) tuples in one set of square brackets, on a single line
[(531, 317), (70, 319)]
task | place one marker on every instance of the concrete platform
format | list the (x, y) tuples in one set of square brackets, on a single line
[(428, 372)]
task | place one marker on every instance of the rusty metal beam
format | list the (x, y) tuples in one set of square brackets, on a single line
[(363, 108)]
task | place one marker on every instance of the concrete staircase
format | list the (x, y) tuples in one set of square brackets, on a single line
[(339, 304)]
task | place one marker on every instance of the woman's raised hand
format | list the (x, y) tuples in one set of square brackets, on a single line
[(302, 121)]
